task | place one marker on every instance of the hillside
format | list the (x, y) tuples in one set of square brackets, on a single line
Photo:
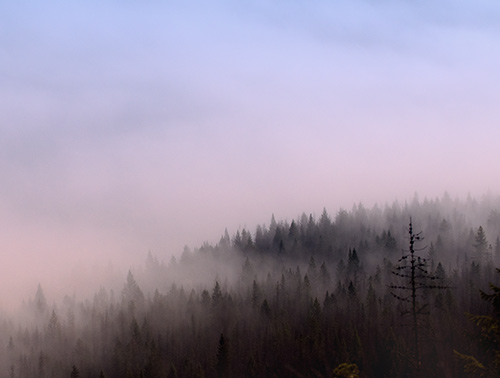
[(295, 298)]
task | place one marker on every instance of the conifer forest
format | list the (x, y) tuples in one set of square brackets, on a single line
[(401, 290)]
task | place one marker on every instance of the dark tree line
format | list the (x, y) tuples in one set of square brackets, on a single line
[(306, 298)]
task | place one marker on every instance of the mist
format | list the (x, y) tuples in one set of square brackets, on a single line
[(133, 130), (264, 295)]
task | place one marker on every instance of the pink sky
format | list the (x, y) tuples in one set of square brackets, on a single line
[(128, 128)]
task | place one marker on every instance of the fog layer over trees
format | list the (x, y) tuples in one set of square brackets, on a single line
[(318, 296)]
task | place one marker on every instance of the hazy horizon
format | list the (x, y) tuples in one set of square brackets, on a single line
[(129, 127)]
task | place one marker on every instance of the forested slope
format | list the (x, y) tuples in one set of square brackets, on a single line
[(290, 299)]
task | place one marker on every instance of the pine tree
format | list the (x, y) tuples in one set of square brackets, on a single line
[(54, 328), (75, 373), (216, 294), (247, 272), (480, 246), (237, 241), (415, 278), (222, 358), (312, 271), (265, 310), (132, 295), (489, 330), (324, 275), (496, 256), (353, 265), (40, 301), (42, 360), (432, 256)]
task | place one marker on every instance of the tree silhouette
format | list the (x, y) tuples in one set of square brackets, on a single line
[(489, 330), (40, 301), (412, 269), (74, 372), (132, 295), (222, 358), (480, 246), (216, 294), (272, 310)]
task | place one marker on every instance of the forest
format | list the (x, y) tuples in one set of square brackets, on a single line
[(401, 290)]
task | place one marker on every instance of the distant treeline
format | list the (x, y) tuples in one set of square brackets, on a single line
[(313, 297)]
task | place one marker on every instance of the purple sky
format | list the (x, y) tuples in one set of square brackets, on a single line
[(136, 126)]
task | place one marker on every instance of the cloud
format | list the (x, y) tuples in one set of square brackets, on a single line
[(134, 126)]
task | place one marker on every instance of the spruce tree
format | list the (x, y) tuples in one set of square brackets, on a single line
[(415, 277), (489, 338), (480, 246), (75, 373), (222, 358)]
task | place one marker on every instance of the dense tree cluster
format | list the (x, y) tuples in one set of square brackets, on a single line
[(306, 298)]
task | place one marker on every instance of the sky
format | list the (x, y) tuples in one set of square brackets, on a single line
[(128, 127)]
